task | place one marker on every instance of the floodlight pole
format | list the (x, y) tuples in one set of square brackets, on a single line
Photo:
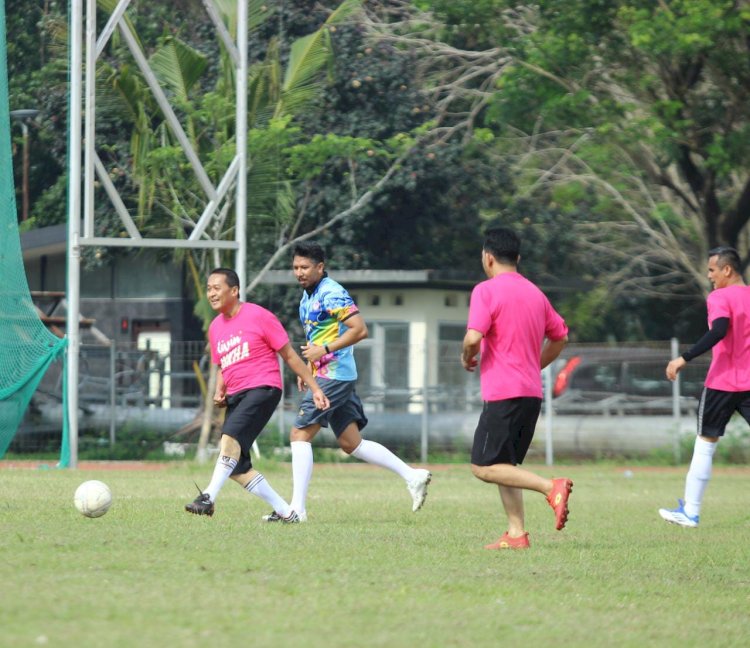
[(241, 139), (74, 226), (93, 167)]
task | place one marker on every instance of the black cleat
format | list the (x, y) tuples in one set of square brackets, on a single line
[(201, 505), (292, 518)]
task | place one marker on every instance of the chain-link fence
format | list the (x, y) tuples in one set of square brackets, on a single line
[(599, 399)]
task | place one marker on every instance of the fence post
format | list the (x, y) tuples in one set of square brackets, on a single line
[(547, 374), (281, 404), (676, 409), (424, 441), (112, 392)]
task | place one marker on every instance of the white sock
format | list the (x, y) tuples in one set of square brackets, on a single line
[(698, 475), (260, 487), (223, 468), (379, 455), (302, 467)]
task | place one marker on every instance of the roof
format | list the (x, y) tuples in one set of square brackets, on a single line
[(43, 241), (438, 279)]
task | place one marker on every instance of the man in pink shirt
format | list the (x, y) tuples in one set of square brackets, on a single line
[(518, 333), (727, 386), (245, 340)]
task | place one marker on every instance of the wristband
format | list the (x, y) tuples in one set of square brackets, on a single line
[(325, 346)]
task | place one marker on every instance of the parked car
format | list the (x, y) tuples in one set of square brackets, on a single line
[(630, 378)]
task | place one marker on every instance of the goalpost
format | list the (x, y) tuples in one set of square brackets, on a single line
[(86, 167)]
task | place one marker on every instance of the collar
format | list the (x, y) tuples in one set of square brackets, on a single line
[(310, 291)]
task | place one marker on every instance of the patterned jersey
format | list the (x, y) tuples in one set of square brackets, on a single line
[(322, 314)]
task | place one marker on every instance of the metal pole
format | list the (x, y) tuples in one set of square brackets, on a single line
[(676, 409), (549, 453), (89, 117), (74, 223), (25, 179), (241, 139), (112, 393), (424, 440)]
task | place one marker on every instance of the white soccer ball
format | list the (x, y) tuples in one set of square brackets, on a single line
[(93, 498)]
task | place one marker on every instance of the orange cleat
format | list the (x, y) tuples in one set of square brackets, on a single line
[(506, 542), (558, 500)]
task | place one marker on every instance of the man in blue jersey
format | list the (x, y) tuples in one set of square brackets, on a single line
[(333, 325)]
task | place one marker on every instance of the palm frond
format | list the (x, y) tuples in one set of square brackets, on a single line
[(308, 57), (178, 66)]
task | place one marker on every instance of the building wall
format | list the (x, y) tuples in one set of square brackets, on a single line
[(424, 311)]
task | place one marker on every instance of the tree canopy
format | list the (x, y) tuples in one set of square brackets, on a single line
[(611, 134)]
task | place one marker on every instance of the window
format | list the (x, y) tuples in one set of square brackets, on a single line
[(383, 365)]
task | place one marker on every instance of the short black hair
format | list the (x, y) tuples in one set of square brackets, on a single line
[(503, 244), (230, 275), (309, 250), (727, 256)]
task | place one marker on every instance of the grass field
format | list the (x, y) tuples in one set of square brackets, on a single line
[(365, 571)]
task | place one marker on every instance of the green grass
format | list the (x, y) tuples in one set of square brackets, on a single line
[(365, 571)]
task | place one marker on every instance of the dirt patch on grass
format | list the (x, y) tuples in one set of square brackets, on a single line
[(86, 465)]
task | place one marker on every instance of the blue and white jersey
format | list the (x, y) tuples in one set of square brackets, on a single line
[(322, 314)]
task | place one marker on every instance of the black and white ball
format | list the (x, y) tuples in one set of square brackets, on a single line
[(93, 498)]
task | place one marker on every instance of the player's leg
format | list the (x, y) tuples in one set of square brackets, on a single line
[(516, 536), (714, 411), (255, 483), (229, 454), (347, 421), (302, 466), (502, 439)]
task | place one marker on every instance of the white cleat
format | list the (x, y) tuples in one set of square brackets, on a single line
[(678, 516), (418, 488)]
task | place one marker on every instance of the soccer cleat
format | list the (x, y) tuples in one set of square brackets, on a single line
[(418, 488), (678, 516), (558, 500), (201, 505), (292, 518), (506, 542)]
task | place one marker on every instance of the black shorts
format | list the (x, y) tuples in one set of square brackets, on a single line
[(716, 408), (247, 414), (345, 407), (505, 430)]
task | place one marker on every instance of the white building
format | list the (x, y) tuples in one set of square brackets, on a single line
[(416, 320)]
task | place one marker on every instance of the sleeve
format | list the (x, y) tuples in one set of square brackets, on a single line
[(273, 330), (339, 304), (480, 317), (555, 327), (718, 306), (212, 345), (717, 332)]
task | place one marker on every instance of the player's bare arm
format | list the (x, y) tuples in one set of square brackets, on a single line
[(470, 351), (220, 393), (356, 330), (295, 363), (551, 349)]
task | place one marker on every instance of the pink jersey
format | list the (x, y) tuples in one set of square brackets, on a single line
[(245, 346), (730, 362), (514, 317)]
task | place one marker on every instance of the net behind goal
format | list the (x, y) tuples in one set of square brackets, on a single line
[(26, 346)]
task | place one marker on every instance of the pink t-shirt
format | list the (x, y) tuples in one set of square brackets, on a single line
[(730, 362), (514, 317), (245, 346)]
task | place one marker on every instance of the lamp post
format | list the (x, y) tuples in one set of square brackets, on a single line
[(25, 116)]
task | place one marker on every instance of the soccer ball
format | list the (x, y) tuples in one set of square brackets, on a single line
[(93, 498)]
